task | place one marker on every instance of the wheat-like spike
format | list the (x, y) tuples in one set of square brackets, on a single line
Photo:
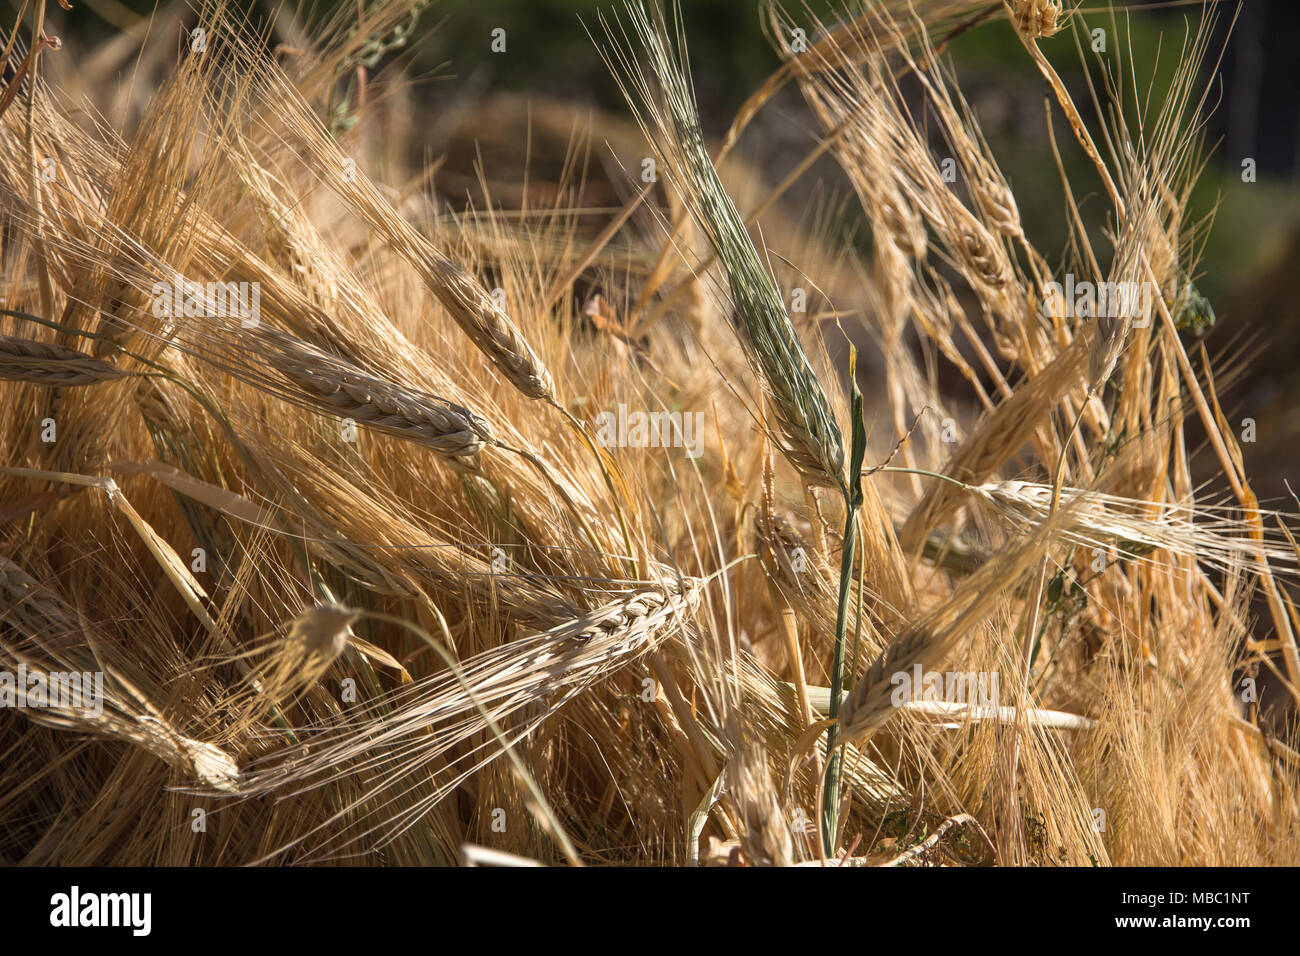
[(488, 327), (928, 641), (807, 583), (865, 126), (36, 612), (954, 714), (890, 161), (290, 236), (1009, 426), (321, 630), (811, 438), (464, 298), (869, 703), (988, 187), (395, 739), (25, 360), (29, 605), (1094, 519), (344, 390), (294, 662), (982, 253), (159, 405), (1128, 270), (206, 764)]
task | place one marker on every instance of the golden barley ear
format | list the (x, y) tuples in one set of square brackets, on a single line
[(43, 363)]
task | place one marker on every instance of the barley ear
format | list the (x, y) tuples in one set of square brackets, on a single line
[(26, 360), (810, 438)]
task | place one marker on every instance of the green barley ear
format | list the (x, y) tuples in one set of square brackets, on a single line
[(809, 437)]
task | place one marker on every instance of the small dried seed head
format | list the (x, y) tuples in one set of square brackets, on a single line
[(998, 205), (905, 225), (488, 327), (211, 765), (158, 406), (1037, 18), (982, 253), (322, 631), (26, 360)]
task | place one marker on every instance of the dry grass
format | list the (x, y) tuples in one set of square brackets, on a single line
[(363, 598)]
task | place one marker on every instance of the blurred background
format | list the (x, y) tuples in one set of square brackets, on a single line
[(471, 110)]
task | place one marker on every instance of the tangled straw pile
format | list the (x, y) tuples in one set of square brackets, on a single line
[(359, 596)]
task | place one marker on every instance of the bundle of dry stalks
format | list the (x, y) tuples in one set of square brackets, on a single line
[(562, 641)]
